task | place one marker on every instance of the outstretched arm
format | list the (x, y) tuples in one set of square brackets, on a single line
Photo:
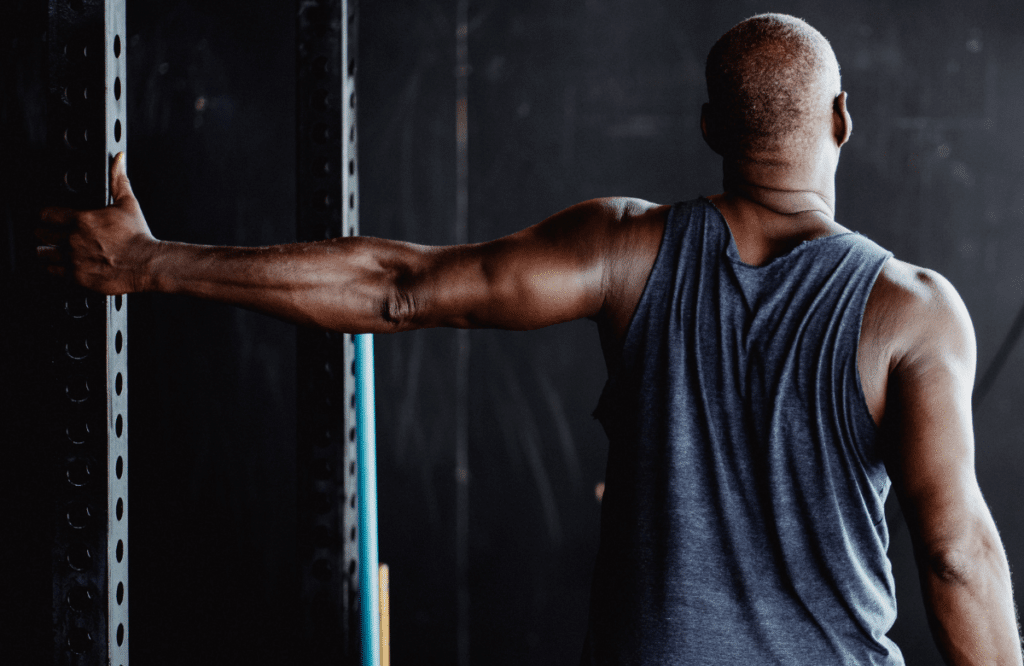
[(549, 273), (964, 574)]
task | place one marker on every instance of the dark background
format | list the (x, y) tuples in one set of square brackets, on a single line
[(567, 101)]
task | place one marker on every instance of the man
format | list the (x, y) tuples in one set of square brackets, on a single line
[(769, 373)]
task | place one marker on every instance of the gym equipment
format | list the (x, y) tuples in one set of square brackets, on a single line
[(89, 380)]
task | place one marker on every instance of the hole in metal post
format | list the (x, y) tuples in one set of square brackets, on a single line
[(77, 434), (351, 167), (79, 557), (322, 469), (322, 201), (72, 138), (117, 46), (117, 302), (120, 635), (78, 472), (320, 133), (119, 551), (119, 466), (119, 425), (120, 508), (77, 390), (79, 640), (77, 307), (117, 130), (117, 87), (119, 383), (80, 598), (118, 342), (77, 349), (79, 514), (120, 593)]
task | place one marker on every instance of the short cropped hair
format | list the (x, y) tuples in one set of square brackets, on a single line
[(768, 78)]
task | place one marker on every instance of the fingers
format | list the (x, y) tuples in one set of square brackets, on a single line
[(51, 235), (49, 254), (120, 187), (56, 215), (52, 260)]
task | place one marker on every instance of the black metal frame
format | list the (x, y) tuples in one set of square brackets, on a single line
[(86, 129), (89, 397), (327, 207)]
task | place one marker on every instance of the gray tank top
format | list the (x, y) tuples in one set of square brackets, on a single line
[(743, 515)]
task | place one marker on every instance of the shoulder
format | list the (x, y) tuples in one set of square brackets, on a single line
[(630, 247), (620, 212), (625, 231), (923, 315)]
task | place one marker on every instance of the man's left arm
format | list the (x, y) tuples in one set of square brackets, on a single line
[(554, 271)]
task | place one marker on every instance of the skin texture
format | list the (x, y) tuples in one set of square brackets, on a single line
[(916, 355)]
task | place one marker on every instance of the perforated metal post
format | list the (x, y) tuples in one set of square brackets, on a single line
[(328, 205), (86, 129)]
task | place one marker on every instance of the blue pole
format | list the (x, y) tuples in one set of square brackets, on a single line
[(366, 441)]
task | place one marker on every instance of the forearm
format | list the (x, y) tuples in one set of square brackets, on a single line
[(971, 609), (344, 284)]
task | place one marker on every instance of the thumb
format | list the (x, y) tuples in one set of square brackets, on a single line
[(120, 187)]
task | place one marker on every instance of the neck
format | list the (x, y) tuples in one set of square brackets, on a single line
[(785, 188)]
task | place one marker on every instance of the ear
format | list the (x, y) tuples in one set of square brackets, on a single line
[(709, 137), (842, 123)]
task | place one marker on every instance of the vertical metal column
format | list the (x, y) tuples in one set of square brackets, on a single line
[(462, 335), (86, 129), (328, 205), (366, 443)]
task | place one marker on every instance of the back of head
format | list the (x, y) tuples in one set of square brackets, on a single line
[(771, 84)]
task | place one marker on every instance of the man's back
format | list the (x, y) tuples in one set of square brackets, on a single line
[(743, 515)]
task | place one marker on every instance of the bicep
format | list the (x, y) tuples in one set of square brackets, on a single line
[(549, 273)]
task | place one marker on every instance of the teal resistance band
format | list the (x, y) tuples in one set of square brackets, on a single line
[(366, 441)]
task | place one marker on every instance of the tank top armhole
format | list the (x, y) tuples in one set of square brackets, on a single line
[(642, 305), (626, 349), (863, 410)]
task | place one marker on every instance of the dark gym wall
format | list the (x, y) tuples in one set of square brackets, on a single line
[(567, 101)]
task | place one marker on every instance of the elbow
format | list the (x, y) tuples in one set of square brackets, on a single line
[(963, 563), (398, 309), (951, 567)]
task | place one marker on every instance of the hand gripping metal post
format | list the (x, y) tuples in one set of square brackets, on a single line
[(89, 380)]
